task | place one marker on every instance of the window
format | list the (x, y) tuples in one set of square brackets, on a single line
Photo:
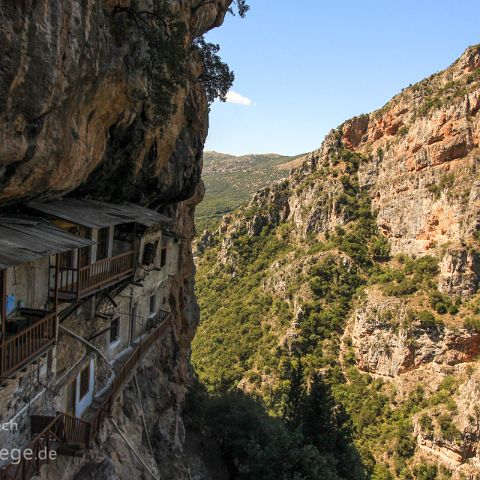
[(102, 243), (84, 253), (163, 259), (84, 381), (114, 330), (153, 305), (66, 259), (149, 253)]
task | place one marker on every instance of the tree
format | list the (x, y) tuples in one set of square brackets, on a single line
[(242, 8), (217, 78)]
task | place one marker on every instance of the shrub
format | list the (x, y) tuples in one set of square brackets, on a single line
[(444, 391), (425, 471), (452, 309), (381, 472), (424, 266), (447, 428), (380, 248), (405, 287), (426, 424), (427, 319), (441, 308), (442, 303), (472, 324)]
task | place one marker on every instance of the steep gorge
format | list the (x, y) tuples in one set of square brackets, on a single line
[(363, 267), (104, 99)]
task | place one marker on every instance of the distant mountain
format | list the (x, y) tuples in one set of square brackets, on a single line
[(230, 181), (346, 299)]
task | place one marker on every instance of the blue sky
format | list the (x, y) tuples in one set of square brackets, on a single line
[(308, 65)]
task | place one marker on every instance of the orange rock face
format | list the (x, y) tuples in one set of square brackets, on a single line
[(423, 151)]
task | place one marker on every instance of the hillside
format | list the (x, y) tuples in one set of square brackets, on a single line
[(100, 100), (343, 300), (231, 180)]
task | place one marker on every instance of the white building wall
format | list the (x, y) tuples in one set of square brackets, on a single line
[(27, 284)]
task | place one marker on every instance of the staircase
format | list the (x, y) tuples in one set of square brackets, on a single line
[(68, 435)]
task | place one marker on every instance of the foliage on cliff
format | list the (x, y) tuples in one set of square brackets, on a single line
[(359, 273), (239, 341)]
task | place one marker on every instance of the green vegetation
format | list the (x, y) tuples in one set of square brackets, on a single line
[(426, 471), (436, 96), (287, 352), (445, 183), (472, 323), (411, 275), (427, 319), (216, 77), (256, 446), (230, 181), (447, 429), (444, 392), (164, 56)]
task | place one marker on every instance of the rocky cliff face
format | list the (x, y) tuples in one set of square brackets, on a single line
[(93, 101), (413, 166), (76, 104)]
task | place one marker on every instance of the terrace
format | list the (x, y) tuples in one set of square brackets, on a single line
[(28, 326), (112, 227), (68, 434)]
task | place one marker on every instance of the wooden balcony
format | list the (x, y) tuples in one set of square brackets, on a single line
[(76, 283), (65, 433), (24, 346), (49, 434)]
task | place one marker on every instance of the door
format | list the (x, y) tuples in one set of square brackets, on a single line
[(71, 398), (102, 243)]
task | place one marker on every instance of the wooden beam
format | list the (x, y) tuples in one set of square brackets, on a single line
[(3, 301), (55, 298), (112, 301), (57, 271)]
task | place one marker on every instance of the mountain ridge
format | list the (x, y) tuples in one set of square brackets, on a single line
[(362, 266), (230, 180)]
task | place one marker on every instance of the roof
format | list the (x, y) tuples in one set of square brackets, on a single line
[(25, 239), (95, 214)]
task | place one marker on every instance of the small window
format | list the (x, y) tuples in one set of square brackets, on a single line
[(66, 260), (163, 258), (114, 330), (149, 253), (84, 381), (153, 305)]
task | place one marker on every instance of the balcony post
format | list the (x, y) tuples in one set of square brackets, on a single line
[(135, 247), (55, 298), (57, 272), (78, 273)]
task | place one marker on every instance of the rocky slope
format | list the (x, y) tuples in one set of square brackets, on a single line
[(389, 202), (98, 99), (230, 181)]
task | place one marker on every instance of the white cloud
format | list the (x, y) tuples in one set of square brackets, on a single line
[(237, 99)]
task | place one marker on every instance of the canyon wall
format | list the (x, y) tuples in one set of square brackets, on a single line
[(411, 167), (93, 104)]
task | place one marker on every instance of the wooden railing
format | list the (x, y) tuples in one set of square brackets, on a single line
[(128, 368), (80, 282), (22, 347), (39, 449), (74, 432)]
